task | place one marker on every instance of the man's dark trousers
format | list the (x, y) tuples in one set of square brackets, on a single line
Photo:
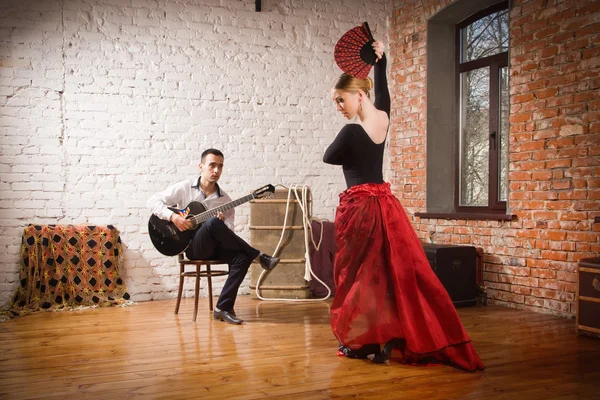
[(215, 241)]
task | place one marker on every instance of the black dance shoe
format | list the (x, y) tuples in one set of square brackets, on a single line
[(226, 316), (386, 352), (362, 352), (268, 262)]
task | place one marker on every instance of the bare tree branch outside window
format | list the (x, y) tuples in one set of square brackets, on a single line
[(482, 39)]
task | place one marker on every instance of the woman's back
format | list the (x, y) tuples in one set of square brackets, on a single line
[(360, 157)]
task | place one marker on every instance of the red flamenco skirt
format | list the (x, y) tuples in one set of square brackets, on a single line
[(385, 287)]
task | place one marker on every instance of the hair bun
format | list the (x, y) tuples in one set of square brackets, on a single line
[(349, 83)]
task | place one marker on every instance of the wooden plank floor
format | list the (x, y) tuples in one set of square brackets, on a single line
[(283, 350)]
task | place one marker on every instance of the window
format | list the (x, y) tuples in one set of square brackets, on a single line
[(467, 111), (482, 97)]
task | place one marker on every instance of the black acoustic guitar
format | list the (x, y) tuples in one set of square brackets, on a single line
[(170, 241)]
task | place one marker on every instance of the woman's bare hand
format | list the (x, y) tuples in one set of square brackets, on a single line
[(379, 48)]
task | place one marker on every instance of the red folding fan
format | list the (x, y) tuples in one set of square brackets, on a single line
[(354, 52)]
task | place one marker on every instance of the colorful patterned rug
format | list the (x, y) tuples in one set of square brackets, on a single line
[(65, 267)]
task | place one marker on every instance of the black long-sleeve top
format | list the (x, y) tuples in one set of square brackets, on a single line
[(360, 157)]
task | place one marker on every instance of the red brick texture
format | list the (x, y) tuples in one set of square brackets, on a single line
[(554, 179)]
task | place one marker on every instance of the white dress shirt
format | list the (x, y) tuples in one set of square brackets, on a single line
[(182, 193)]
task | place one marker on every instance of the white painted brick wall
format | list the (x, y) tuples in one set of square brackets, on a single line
[(103, 103)]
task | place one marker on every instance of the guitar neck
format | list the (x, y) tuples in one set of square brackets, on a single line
[(200, 218)]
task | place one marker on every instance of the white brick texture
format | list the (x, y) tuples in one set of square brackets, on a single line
[(104, 102)]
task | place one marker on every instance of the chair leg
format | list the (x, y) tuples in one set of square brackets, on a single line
[(210, 296), (180, 291), (196, 292)]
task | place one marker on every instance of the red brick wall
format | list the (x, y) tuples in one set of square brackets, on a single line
[(554, 176)]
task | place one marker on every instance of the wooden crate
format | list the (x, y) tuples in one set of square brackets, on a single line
[(588, 297), (266, 222)]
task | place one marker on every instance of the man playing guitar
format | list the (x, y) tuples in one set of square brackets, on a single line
[(215, 239)]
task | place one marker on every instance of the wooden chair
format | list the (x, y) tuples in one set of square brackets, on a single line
[(198, 273)]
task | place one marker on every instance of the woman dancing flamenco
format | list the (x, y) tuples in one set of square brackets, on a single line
[(386, 292)]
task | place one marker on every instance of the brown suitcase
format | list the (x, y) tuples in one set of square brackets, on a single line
[(588, 297)]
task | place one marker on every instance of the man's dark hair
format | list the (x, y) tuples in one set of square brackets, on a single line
[(211, 151)]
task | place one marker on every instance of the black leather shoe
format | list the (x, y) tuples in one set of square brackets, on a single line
[(386, 352), (268, 262), (227, 317), (362, 352)]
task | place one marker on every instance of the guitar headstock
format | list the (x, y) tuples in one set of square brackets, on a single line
[(264, 192)]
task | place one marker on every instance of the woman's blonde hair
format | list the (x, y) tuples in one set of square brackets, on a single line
[(351, 84)]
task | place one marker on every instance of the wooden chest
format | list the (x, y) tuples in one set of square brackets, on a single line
[(455, 267), (588, 297)]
